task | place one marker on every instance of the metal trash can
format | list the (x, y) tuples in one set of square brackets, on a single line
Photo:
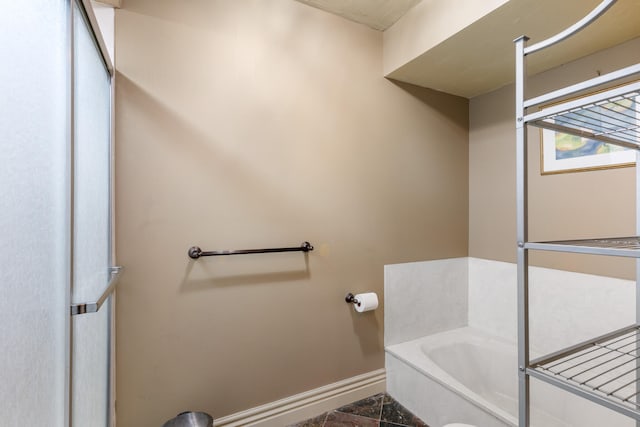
[(190, 419)]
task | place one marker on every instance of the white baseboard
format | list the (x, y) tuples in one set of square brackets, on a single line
[(308, 404)]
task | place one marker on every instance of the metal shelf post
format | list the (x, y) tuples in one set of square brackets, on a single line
[(521, 236)]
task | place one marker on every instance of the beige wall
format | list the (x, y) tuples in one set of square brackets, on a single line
[(253, 123), (572, 205)]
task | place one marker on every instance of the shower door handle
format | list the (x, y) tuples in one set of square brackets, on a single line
[(93, 307)]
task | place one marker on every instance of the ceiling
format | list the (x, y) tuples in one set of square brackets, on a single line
[(377, 14)]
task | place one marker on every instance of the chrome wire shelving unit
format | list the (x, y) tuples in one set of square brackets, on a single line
[(605, 369)]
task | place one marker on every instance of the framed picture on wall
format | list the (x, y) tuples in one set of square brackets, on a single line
[(561, 152)]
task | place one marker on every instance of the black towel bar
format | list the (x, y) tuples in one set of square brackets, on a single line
[(195, 252)]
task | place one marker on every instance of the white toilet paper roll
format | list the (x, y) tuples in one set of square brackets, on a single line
[(366, 302)]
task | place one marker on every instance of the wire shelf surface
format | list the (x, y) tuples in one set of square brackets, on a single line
[(607, 368), (615, 246), (611, 116)]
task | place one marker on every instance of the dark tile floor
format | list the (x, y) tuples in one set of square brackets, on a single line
[(380, 410)]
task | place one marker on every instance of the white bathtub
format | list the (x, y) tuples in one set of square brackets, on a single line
[(468, 376)]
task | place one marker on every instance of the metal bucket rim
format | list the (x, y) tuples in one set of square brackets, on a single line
[(188, 418)]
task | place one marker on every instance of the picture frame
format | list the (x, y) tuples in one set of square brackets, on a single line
[(564, 153)]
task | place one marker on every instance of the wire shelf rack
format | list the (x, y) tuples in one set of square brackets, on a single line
[(611, 116), (605, 370), (615, 246)]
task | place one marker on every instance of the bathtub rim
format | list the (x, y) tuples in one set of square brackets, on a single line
[(443, 378)]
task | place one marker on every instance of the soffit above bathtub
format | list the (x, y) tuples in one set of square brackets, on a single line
[(377, 14), (480, 57), (112, 3)]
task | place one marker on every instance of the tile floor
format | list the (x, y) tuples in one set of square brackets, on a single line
[(380, 410)]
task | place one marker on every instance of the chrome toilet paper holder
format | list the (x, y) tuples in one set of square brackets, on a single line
[(351, 299)]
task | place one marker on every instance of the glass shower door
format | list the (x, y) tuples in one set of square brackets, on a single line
[(93, 278), (34, 214)]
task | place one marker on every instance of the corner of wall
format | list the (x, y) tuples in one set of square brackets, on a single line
[(424, 298)]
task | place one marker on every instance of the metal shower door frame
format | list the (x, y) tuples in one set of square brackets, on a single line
[(85, 8)]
